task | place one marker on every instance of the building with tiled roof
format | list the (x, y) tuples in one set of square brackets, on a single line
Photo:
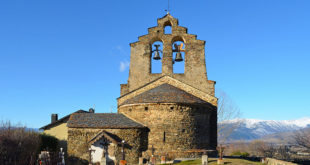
[(58, 127)]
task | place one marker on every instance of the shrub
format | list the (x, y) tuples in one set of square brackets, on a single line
[(242, 154), (17, 145), (236, 153), (48, 142), (245, 154)]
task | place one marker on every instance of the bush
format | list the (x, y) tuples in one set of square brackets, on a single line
[(48, 143), (17, 145), (236, 153), (242, 154)]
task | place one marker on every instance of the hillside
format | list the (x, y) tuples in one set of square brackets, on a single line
[(250, 129)]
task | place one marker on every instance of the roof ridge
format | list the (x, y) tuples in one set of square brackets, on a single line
[(165, 93)]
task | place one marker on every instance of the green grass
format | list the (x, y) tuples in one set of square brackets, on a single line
[(213, 161)]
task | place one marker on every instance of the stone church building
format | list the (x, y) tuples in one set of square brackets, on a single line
[(163, 113)]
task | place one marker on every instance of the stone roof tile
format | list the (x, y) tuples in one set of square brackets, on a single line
[(164, 93), (101, 120)]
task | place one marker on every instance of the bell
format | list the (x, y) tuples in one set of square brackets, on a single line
[(156, 56), (178, 57)]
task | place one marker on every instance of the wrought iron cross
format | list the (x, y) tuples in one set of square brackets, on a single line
[(168, 9)]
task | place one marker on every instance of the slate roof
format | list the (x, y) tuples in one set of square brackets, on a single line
[(64, 119), (101, 120), (164, 93)]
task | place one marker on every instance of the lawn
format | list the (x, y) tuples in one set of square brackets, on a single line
[(213, 161)]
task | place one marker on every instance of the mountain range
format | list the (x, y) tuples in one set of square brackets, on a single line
[(251, 129)]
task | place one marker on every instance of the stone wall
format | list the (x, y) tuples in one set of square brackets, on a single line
[(78, 138), (195, 73), (270, 161), (174, 82), (175, 128)]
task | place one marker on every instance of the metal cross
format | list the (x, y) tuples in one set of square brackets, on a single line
[(90, 151), (168, 10)]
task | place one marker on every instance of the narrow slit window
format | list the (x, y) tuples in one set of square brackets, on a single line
[(164, 137)]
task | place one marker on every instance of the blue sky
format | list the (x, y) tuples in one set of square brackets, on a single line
[(61, 56)]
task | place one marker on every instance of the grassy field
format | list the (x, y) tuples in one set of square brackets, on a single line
[(213, 161)]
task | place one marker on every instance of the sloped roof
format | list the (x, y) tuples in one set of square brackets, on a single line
[(164, 93), (61, 120), (101, 120)]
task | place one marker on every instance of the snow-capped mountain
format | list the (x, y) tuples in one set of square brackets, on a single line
[(249, 129)]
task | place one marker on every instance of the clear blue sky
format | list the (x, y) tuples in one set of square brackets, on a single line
[(59, 56)]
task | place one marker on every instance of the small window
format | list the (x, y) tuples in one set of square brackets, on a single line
[(168, 29), (171, 108), (164, 138), (130, 109), (183, 130), (146, 108)]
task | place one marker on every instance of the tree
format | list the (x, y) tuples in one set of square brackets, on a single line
[(302, 138), (17, 145), (284, 152), (227, 111), (261, 148)]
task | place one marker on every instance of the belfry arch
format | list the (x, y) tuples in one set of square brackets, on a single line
[(156, 57), (140, 71)]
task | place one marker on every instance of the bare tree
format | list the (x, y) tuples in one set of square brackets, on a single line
[(261, 148), (284, 152), (227, 111), (17, 145), (302, 138)]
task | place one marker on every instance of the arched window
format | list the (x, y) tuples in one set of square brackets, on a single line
[(178, 49), (156, 57)]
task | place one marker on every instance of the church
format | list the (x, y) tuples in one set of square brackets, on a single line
[(159, 114)]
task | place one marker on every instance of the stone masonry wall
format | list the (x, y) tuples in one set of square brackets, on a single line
[(195, 73), (136, 139), (168, 80), (175, 128)]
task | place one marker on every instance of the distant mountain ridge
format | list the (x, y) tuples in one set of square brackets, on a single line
[(250, 129)]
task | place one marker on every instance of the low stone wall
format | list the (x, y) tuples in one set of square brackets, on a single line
[(270, 161)]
